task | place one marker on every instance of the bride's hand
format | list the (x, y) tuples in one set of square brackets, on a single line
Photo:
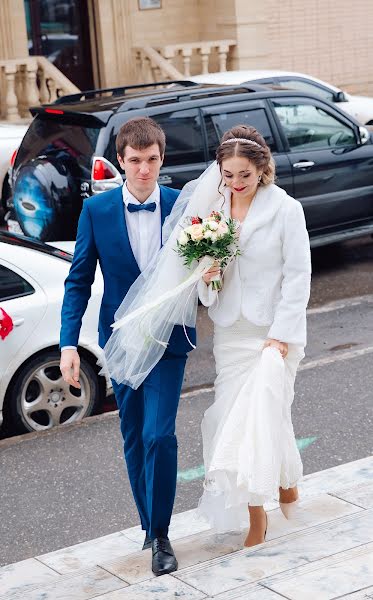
[(215, 270), (281, 346)]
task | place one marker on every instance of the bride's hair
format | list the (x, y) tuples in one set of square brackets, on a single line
[(252, 147)]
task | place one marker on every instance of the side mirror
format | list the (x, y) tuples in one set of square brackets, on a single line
[(340, 97), (364, 135)]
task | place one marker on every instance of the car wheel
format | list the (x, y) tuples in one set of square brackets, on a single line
[(39, 399)]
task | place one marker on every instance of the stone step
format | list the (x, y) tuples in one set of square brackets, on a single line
[(332, 528)]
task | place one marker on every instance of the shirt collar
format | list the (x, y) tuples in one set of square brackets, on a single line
[(155, 196)]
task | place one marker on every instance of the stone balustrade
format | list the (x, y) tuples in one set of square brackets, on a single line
[(27, 82), (181, 61)]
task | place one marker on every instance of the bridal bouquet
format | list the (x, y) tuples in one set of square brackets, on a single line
[(215, 236)]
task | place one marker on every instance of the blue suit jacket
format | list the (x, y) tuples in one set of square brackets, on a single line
[(102, 235)]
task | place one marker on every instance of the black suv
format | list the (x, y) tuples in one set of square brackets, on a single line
[(323, 157)]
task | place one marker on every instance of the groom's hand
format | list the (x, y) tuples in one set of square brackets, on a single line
[(70, 365)]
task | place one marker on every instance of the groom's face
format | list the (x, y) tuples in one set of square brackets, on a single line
[(142, 169)]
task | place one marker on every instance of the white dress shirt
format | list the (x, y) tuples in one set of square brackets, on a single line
[(144, 227), (144, 230)]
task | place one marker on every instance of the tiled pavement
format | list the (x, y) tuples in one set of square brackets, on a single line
[(326, 552)]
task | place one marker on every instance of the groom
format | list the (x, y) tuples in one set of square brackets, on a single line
[(122, 229)]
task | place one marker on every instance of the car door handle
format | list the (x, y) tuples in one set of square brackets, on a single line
[(18, 322), (165, 180), (304, 164)]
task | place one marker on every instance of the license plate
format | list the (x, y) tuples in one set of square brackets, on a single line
[(14, 227)]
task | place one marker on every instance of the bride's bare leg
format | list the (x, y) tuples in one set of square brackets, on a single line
[(258, 526)]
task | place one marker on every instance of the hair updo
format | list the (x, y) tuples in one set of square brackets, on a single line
[(258, 153)]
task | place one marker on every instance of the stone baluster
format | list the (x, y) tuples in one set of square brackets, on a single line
[(20, 89), (205, 51), (52, 89), (223, 50), (157, 73), (139, 68), (31, 84), (11, 101), (186, 54), (43, 88)]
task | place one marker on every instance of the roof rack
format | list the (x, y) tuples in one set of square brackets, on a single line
[(119, 91), (194, 94)]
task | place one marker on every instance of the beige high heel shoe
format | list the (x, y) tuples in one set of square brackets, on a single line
[(288, 505)]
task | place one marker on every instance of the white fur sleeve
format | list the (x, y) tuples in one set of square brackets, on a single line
[(206, 294), (289, 324)]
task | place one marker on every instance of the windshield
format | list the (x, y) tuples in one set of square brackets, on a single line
[(51, 136)]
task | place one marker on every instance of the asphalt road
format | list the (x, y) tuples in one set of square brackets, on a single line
[(69, 485)]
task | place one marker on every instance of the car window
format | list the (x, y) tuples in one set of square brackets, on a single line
[(13, 285), (58, 138), (184, 142), (307, 126), (305, 86), (217, 124)]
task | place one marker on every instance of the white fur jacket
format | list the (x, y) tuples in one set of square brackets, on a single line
[(269, 282)]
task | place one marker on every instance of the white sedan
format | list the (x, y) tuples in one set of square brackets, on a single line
[(11, 135), (360, 107), (33, 395)]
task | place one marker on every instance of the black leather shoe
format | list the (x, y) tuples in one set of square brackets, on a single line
[(164, 560), (147, 542)]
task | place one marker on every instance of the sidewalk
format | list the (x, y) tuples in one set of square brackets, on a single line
[(326, 553)]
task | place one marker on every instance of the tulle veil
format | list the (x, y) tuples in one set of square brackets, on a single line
[(165, 294)]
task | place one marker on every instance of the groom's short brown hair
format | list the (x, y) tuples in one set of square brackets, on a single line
[(140, 133)]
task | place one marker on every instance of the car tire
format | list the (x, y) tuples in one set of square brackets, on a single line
[(38, 384)]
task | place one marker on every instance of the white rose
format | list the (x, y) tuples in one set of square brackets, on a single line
[(207, 234), (196, 232), (214, 236), (213, 225), (183, 238), (222, 229)]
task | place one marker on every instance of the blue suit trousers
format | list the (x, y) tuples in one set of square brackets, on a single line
[(147, 417)]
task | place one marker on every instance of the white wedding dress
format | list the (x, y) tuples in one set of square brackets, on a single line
[(248, 438)]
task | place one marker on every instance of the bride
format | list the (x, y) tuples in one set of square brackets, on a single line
[(259, 316)]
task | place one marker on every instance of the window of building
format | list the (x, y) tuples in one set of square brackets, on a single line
[(13, 285)]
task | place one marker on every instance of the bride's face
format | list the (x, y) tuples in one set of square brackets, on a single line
[(240, 175)]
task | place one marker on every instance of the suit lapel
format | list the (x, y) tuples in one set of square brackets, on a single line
[(119, 234), (167, 203)]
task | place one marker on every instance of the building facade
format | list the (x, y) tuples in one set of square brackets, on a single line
[(103, 43)]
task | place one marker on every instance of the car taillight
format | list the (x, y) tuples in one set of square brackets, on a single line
[(102, 170), (13, 157)]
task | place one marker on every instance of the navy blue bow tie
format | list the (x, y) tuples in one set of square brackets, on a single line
[(135, 207)]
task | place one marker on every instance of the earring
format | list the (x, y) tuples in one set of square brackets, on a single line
[(259, 178)]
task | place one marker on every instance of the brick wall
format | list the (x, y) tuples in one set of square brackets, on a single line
[(330, 39)]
